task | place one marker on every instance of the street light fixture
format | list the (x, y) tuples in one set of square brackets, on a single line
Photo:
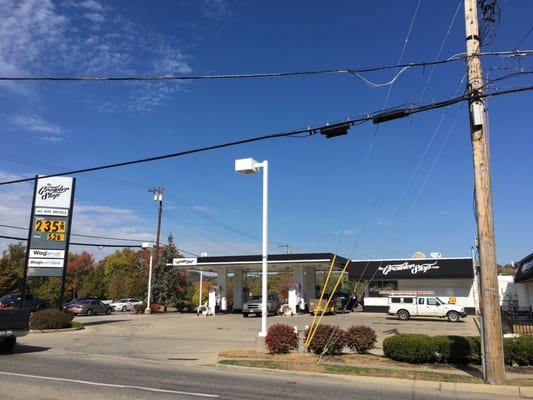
[(148, 309), (250, 166)]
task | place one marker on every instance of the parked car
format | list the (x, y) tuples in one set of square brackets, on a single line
[(89, 307), (253, 305), (14, 322), (77, 300), (341, 302), (127, 304), (31, 302), (407, 306)]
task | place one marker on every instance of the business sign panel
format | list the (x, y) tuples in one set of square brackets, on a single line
[(182, 262), (423, 268), (50, 226)]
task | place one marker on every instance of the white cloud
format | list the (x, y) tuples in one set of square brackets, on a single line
[(36, 123), (92, 5), (94, 17), (40, 37), (88, 218), (216, 9)]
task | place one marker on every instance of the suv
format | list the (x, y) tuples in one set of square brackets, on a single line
[(253, 305), (405, 307)]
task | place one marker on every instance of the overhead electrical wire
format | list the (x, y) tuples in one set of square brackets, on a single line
[(375, 117), (76, 243), (420, 97), (454, 58), (96, 237)]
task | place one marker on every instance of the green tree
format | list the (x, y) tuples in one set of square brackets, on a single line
[(12, 268), (506, 269), (170, 284), (123, 274), (94, 283)]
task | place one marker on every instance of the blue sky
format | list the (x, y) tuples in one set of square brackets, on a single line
[(387, 205)]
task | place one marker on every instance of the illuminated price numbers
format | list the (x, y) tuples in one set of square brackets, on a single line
[(56, 236), (44, 225)]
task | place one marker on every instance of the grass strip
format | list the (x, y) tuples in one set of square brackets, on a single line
[(352, 370)]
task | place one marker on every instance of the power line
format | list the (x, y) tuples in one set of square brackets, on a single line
[(524, 38), (75, 243), (375, 117), (87, 236), (454, 58), (100, 237)]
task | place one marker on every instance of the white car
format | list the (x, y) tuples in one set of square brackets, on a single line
[(125, 304), (407, 306)]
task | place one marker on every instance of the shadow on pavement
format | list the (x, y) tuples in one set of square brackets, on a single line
[(101, 322), (437, 320), (471, 370), (25, 348)]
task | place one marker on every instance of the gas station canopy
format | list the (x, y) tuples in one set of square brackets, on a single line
[(252, 263)]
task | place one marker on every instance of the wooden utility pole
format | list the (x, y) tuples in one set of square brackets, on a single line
[(490, 305)]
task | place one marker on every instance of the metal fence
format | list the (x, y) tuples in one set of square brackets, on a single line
[(517, 320)]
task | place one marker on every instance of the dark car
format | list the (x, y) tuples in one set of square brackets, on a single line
[(89, 307), (31, 302)]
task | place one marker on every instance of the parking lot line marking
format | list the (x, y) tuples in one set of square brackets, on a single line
[(112, 385)]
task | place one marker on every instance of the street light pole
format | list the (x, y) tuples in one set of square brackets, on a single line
[(250, 166), (158, 196), (264, 256), (148, 309)]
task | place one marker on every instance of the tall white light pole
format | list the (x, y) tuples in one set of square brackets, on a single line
[(250, 166), (148, 309)]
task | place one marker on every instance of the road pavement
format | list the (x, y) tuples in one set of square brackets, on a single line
[(35, 372)]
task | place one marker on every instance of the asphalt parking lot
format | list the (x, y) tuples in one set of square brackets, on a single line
[(188, 339)]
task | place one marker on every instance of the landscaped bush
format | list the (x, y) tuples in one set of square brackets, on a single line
[(360, 339), (281, 339), (412, 348), (518, 350), (453, 349), (50, 319), (328, 340), (140, 308)]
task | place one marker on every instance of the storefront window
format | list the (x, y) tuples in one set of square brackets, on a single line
[(375, 287)]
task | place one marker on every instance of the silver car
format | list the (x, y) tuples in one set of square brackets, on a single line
[(89, 307), (253, 305)]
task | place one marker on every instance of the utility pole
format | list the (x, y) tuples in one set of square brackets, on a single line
[(158, 196), (490, 307)]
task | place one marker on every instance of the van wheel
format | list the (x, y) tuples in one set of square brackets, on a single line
[(403, 315), (453, 316)]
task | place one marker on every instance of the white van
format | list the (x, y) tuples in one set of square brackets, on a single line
[(407, 306)]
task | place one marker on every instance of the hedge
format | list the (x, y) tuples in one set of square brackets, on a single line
[(327, 340), (416, 348), (51, 319), (281, 339), (360, 339), (413, 348)]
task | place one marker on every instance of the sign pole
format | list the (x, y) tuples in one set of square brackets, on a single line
[(67, 244), (30, 230)]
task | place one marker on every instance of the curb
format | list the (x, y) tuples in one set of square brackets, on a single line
[(506, 390), (56, 330)]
